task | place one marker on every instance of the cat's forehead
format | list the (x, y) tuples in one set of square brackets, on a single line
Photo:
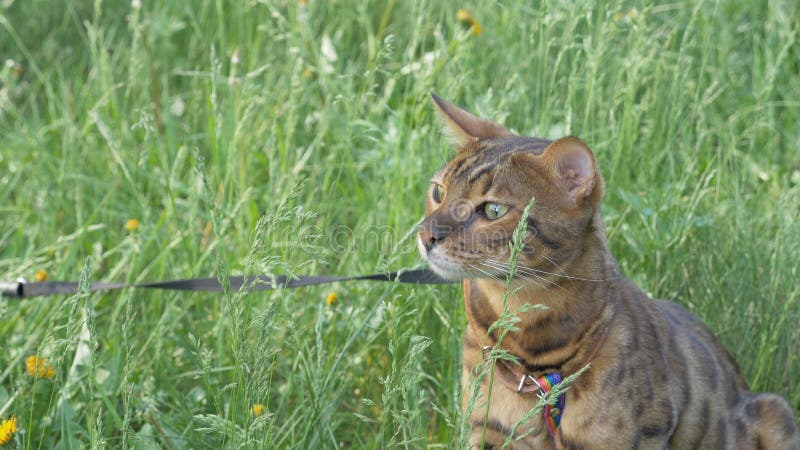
[(468, 167)]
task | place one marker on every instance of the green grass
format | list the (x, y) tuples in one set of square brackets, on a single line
[(291, 161)]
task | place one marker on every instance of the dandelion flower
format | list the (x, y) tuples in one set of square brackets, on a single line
[(8, 428), (38, 367), (257, 409), (465, 17), (332, 297), (132, 225), (41, 275)]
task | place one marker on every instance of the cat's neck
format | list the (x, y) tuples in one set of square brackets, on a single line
[(578, 305)]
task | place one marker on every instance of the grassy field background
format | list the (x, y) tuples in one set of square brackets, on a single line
[(298, 137)]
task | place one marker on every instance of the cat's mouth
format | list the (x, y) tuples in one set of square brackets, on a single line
[(442, 264)]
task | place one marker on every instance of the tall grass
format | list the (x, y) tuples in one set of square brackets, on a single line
[(297, 137)]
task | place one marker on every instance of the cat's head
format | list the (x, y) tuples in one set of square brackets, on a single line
[(476, 200)]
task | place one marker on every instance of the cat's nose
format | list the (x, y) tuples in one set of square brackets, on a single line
[(430, 236)]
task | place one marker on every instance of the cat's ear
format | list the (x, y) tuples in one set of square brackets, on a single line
[(464, 128), (573, 164)]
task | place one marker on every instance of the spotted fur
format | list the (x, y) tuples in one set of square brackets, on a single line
[(658, 377)]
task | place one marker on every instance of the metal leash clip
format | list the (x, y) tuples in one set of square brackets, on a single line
[(522, 383)]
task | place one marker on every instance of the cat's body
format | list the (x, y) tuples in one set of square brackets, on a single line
[(658, 378)]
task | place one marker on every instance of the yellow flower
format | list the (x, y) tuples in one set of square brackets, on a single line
[(132, 225), (332, 297), (257, 409), (41, 275), (38, 367), (8, 427), (465, 17)]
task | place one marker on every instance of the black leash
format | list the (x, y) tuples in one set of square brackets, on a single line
[(23, 289)]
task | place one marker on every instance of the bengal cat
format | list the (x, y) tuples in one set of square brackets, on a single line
[(657, 376)]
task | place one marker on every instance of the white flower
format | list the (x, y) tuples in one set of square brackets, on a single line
[(328, 55), (177, 108), (327, 49)]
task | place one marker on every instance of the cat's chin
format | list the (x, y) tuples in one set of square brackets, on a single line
[(448, 274), (442, 266)]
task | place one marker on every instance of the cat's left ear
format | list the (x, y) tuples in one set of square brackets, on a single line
[(573, 164), (465, 128)]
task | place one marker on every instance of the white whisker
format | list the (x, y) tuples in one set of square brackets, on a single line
[(532, 278), (544, 272), (527, 274), (488, 274)]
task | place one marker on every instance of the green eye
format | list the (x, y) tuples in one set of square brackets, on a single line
[(495, 211), (437, 193)]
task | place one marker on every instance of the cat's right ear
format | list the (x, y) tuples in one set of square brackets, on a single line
[(574, 166), (464, 128)]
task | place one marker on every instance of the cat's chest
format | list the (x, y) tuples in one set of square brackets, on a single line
[(542, 339)]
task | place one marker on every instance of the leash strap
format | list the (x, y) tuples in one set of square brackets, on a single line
[(552, 413), (22, 289)]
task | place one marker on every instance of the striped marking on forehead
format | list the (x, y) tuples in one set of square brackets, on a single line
[(492, 153)]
